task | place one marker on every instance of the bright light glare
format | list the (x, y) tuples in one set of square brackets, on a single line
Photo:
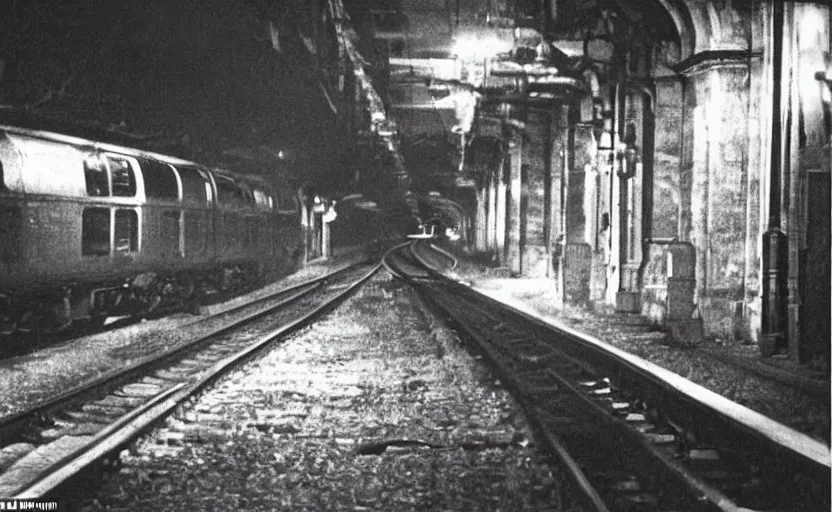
[(479, 48), (452, 235)]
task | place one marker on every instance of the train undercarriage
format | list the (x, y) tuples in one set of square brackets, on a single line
[(56, 310)]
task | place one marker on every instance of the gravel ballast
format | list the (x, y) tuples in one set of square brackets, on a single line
[(373, 408)]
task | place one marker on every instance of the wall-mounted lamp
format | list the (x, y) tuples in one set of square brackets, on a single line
[(627, 157)]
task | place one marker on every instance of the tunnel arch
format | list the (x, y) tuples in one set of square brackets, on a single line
[(688, 26)]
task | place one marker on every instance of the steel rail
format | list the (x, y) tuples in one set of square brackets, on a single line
[(556, 449), (695, 413), (133, 424), (692, 410), (10, 424), (766, 430), (617, 426), (421, 259)]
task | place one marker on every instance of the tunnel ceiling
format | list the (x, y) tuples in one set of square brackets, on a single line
[(194, 78), (200, 78), (430, 80)]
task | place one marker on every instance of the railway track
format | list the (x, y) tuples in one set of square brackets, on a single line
[(86, 425), (630, 435), (24, 343)]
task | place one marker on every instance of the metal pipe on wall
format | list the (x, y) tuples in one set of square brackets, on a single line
[(775, 248)]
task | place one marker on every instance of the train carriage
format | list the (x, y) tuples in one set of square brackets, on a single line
[(92, 229)]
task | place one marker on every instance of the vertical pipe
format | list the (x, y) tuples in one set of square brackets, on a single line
[(774, 240), (776, 135)]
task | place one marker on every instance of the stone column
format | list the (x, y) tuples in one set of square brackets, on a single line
[(717, 93), (500, 213), (326, 242), (304, 227), (480, 236), (547, 190), (491, 212), (580, 143), (557, 193), (513, 213)]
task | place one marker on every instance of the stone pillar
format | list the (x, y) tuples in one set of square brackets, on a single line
[(557, 192), (500, 213), (304, 227), (546, 147), (681, 284), (491, 212), (513, 213), (715, 166), (669, 116), (581, 145), (535, 206), (326, 242), (759, 159), (578, 252), (480, 235), (581, 197)]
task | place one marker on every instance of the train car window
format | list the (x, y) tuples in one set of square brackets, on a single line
[(96, 175), (194, 187), (10, 239), (126, 231), (263, 200), (124, 181), (229, 193), (159, 179), (95, 232)]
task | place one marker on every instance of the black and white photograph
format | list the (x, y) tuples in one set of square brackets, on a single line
[(416, 255)]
